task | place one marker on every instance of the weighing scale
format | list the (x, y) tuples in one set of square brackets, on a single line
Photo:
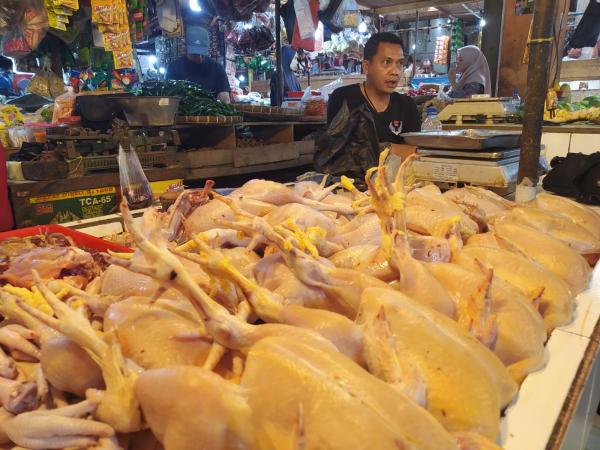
[(487, 110), (457, 158)]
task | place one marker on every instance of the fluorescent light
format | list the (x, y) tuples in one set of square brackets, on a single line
[(432, 9), (242, 78), (152, 59), (362, 27), (482, 23), (414, 46), (162, 70), (195, 6)]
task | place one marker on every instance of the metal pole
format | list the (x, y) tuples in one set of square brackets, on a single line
[(540, 50), (414, 70), (279, 66)]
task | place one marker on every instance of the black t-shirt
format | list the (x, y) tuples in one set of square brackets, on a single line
[(401, 115), (209, 74)]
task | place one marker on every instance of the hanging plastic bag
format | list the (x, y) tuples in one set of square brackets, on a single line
[(64, 105), (330, 87), (14, 44), (134, 184), (304, 19), (46, 83)]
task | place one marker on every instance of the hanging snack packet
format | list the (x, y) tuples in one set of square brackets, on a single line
[(123, 59), (105, 11)]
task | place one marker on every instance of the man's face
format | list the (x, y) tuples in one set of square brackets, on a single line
[(384, 70)]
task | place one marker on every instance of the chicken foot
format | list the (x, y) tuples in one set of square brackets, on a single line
[(271, 308), (57, 428), (225, 328), (117, 404)]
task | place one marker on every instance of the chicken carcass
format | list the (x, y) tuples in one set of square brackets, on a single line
[(578, 213), (327, 401), (121, 282), (272, 273), (318, 387), (178, 340), (69, 263), (116, 404), (389, 202), (520, 328), (59, 355), (429, 212), (554, 255), (554, 224), (209, 412), (277, 194), (478, 202), (467, 385), (555, 299)]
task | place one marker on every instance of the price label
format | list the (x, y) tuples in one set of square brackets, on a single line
[(445, 172)]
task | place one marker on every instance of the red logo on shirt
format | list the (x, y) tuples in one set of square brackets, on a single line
[(396, 127)]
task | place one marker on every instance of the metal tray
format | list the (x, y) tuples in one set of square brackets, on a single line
[(468, 139), (493, 154)]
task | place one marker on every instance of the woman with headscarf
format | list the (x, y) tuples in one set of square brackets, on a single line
[(474, 74), (290, 81)]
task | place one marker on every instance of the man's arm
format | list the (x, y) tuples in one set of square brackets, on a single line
[(223, 87), (224, 97)]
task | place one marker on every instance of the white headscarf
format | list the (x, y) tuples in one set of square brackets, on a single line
[(474, 68)]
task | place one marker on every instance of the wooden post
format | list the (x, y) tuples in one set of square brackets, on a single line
[(491, 39), (540, 48), (279, 66)]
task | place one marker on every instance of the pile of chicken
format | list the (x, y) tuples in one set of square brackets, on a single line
[(297, 318)]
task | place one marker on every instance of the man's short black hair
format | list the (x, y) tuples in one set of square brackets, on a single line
[(5, 63), (372, 44)]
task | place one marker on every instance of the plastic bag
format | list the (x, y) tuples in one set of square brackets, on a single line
[(64, 105), (46, 83), (14, 44), (350, 145), (330, 87), (134, 184), (577, 175), (18, 135)]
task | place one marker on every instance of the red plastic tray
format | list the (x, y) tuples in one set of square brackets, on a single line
[(81, 239)]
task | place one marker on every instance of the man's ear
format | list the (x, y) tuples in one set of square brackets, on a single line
[(366, 66)]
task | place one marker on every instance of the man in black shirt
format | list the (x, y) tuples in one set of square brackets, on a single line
[(197, 66), (383, 65)]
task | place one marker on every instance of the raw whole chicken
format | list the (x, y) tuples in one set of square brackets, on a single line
[(578, 213), (291, 318), (541, 286), (542, 248), (554, 224)]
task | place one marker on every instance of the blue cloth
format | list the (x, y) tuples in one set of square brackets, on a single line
[(290, 81), (443, 80), (209, 74), (468, 90), (6, 85)]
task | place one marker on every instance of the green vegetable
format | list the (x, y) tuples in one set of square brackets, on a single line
[(195, 101)]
